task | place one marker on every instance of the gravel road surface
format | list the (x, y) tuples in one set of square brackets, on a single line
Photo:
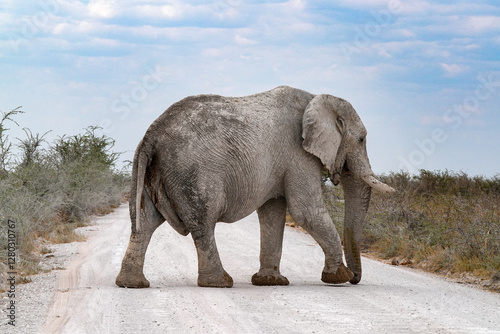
[(84, 299)]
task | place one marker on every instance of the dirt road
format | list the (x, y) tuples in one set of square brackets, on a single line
[(388, 300)]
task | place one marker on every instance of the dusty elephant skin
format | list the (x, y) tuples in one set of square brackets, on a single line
[(210, 159)]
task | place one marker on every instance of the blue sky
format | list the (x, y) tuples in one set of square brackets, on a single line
[(423, 75)]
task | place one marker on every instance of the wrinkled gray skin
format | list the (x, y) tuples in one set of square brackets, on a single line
[(210, 159)]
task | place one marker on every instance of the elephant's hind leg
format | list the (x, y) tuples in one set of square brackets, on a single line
[(272, 217), (210, 270), (131, 274)]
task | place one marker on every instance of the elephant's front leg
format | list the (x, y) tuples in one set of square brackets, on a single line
[(210, 270), (272, 224), (307, 209), (319, 225)]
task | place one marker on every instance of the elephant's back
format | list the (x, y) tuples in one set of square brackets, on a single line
[(216, 110), (230, 127), (219, 131)]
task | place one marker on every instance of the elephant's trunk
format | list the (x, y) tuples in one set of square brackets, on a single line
[(357, 199)]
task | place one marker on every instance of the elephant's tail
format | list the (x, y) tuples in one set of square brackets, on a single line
[(144, 158), (140, 164)]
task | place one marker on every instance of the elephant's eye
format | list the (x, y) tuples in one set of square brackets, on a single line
[(361, 140)]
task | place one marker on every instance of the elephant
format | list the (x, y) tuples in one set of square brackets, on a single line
[(210, 159)]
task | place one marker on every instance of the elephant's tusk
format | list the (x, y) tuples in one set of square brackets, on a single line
[(377, 185)]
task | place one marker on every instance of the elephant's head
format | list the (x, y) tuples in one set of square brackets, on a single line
[(333, 132)]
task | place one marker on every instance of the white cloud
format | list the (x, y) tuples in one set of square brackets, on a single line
[(463, 8), (297, 4), (106, 42), (412, 7), (472, 46), (381, 51), (461, 25), (405, 33), (212, 52), (454, 69), (240, 40), (82, 28), (103, 8), (480, 24), (89, 50), (400, 47), (154, 11), (221, 10), (366, 4), (395, 7), (432, 120), (6, 19)]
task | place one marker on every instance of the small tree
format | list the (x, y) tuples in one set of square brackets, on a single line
[(5, 145), (31, 148), (87, 148), (85, 164)]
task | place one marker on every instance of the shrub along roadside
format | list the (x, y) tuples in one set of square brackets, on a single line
[(50, 189), (442, 222)]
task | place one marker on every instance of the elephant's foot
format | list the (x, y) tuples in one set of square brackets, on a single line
[(131, 280), (342, 275), (270, 279), (355, 279), (215, 281)]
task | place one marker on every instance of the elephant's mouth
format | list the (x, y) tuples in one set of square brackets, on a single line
[(335, 177), (345, 169), (369, 179)]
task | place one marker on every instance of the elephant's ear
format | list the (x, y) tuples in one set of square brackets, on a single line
[(322, 129)]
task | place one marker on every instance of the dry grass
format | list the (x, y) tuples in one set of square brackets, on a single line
[(445, 222), (442, 222), (63, 234), (49, 192)]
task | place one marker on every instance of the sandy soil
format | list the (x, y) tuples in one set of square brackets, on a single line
[(84, 299)]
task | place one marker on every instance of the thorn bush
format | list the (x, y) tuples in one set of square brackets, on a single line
[(49, 189)]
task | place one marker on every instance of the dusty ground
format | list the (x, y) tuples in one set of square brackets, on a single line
[(83, 298)]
